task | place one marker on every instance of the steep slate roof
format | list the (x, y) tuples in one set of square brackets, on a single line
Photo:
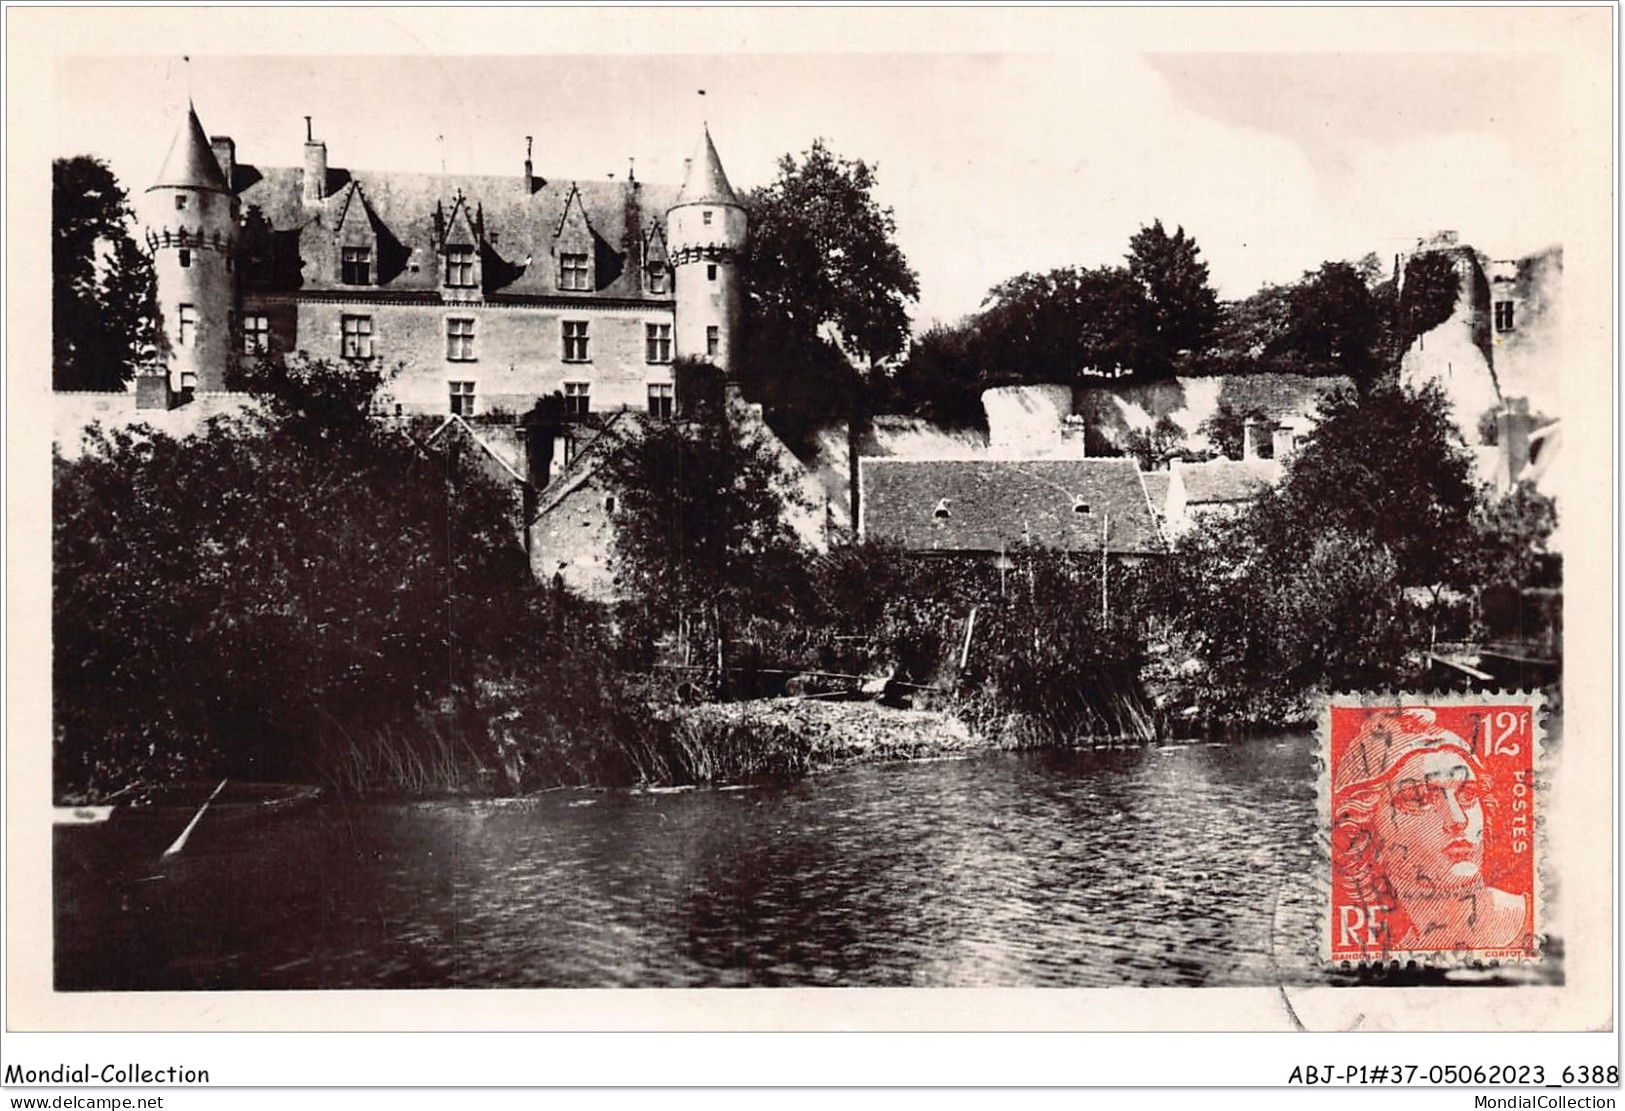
[(998, 504), (589, 458), (705, 183), (520, 227), (1224, 481), (1156, 488), (190, 161)]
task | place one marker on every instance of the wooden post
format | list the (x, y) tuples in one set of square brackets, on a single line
[(970, 627), (1105, 526)]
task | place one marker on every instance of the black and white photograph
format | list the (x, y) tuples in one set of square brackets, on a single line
[(725, 502)]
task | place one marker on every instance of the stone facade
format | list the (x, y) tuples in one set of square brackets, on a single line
[(479, 294)]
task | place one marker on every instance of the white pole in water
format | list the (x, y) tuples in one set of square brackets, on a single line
[(180, 842)]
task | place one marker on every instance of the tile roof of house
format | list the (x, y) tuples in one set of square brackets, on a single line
[(1222, 481), (1156, 488), (992, 505), (410, 212)]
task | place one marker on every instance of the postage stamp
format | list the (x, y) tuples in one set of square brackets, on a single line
[(1431, 805)]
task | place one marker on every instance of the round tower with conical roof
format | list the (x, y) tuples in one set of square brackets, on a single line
[(706, 232), (190, 213)]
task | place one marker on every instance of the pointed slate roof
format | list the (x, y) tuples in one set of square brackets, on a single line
[(191, 162), (706, 183)]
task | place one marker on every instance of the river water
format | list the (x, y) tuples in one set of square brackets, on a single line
[(1187, 865)]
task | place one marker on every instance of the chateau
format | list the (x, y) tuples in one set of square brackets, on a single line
[(486, 292)]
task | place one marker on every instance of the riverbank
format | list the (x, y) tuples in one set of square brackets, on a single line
[(730, 741)]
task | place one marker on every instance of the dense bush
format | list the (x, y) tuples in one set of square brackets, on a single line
[(234, 601)]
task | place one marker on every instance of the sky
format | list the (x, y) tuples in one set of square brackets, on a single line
[(1005, 142)]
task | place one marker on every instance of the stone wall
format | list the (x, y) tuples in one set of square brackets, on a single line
[(518, 352)]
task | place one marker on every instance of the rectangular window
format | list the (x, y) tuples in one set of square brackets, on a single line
[(186, 258), (659, 278), (188, 325), (180, 201), (357, 266), (573, 272), (256, 334), (1503, 316), (462, 399), (657, 341), (711, 272), (460, 267), (575, 341), (356, 341), (713, 339), (707, 217), (577, 403), (460, 340), (661, 404)]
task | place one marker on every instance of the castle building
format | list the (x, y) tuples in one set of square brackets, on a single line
[(481, 294)]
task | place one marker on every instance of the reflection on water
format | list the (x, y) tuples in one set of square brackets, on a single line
[(1187, 865)]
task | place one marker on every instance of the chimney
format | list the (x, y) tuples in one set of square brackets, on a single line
[(530, 174), (1250, 430), (632, 234), (225, 153), (1512, 427), (315, 168), (152, 391), (1284, 442)]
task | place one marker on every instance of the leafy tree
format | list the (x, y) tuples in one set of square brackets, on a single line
[(1392, 466), (1427, 298), (701, 538), (1336, 324), (1155, 445), (828, 290), (941, 379), (104, 312), (1226, 429), (1313, 587), (1182, 309), (235, 600), (1063, 326), (1249, 333), (1513, 533)]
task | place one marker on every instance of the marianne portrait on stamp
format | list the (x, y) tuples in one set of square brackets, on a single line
[(1411, 817)]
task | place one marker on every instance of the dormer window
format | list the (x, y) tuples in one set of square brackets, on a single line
[(460, 267), (356, 266), (573, 272), (940, 513), (659, 278), (1080, 507)]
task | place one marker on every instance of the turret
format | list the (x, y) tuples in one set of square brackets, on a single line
[(190, 214), (706, 232)]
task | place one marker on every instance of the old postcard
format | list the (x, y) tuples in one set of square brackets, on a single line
[(550, 519)]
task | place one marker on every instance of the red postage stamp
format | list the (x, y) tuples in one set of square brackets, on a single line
[(1431, 805)]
